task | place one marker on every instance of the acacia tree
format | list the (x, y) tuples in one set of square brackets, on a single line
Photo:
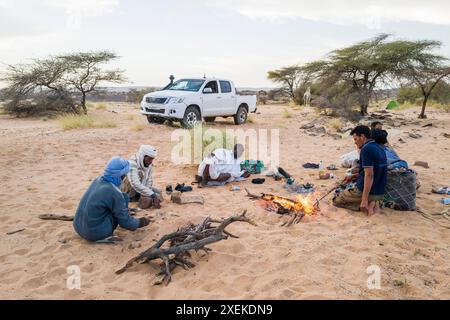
[(288, 77), (364, 65), (42, 78), (85, 72), (48, 84), (426, 74)]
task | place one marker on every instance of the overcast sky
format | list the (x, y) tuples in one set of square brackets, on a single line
[(236, 39)]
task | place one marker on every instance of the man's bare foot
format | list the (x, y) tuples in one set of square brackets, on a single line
[(371, 210), (377, 209)]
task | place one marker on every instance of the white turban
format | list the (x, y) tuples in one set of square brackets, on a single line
[(145, 150)]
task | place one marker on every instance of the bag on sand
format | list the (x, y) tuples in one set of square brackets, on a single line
[(348, 159), (252, 166), (401, 190)]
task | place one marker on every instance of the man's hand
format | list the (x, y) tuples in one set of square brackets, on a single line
[(351, 178), (156, 201), (143, 222), (364, 206)]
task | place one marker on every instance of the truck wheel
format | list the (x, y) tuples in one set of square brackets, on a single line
[(191, 118), (157, 120), (210, 119), (241, 116)]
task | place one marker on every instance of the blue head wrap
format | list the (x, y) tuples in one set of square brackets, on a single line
[(115, 169)]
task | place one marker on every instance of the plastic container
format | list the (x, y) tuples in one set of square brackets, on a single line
[(446, 201)]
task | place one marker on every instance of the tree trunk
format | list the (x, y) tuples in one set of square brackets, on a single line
[(424, 105), (83, 102), (363, 109)]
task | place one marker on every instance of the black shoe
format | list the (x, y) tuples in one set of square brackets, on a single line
[(183, 188), (169, 189), (258, 181)]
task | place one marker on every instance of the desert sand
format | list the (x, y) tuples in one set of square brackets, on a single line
[(46, 170)]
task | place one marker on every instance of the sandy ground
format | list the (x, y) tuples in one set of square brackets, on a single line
[(46, 170)]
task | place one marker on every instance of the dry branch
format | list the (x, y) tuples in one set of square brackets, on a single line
[(191, 237), (56, 217)]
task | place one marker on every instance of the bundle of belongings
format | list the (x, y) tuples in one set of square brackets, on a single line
[(401, 181), (441, 190), (348, 159), (299, 188), (252, 166), (401, 190)]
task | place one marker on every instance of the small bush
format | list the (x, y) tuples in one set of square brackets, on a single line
[(130, 117), (402, 283), (440, 106), (101, 106), (90, 105), (210, 143), (250, 119), (138, 127), (335, 123), (287, 114), (71, 122)]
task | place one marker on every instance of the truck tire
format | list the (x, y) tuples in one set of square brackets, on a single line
[(154, 119), (241, 116), (210, 119), (191, 118)]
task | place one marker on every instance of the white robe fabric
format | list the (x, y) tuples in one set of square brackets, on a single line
[(221, 161), (141, 177)]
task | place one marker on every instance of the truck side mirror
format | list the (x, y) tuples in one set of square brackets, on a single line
[(207, 90)]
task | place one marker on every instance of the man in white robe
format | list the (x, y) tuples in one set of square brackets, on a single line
[(222, 166)]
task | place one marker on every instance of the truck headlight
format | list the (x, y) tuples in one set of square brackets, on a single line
[(175, 100)]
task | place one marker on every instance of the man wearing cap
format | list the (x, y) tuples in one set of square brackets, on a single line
[(139, 181), (103, 206)]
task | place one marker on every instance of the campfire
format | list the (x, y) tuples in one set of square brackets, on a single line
[(298, 208)]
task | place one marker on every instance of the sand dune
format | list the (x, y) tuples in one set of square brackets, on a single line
[(46, 170)]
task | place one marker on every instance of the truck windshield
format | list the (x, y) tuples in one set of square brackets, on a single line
[(187, 85)]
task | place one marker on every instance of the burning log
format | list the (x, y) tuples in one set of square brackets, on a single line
[(191, 237), (298, 208)]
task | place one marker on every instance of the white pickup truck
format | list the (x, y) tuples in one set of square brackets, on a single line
[(190, 100)]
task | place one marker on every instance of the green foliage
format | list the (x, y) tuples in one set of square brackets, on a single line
[(290, 78), (413, 95), (409, 95), (48, 84), (364, 65)]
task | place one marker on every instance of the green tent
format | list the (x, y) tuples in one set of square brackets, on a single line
[(393, 105)]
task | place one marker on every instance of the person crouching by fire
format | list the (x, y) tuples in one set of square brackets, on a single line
[(371, 179)]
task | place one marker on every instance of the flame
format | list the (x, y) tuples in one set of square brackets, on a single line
[(302, 203)]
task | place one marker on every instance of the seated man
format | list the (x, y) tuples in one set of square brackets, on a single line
[(222, 166), (376, 125), (371, 179), (139, 181), (393, 160), (103, 207)]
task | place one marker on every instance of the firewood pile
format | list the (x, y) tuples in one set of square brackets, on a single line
[(180, 243), (296, 209)]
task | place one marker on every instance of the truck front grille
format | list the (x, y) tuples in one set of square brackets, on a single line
[(156, 100)]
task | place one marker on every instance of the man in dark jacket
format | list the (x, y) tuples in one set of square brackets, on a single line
[(103, 207)]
